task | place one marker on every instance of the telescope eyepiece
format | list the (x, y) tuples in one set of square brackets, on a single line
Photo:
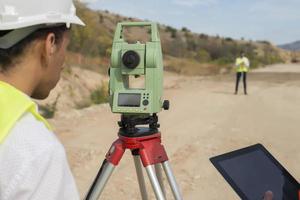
[(131, 59)]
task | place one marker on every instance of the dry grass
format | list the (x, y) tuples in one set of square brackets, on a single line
[(96, 64), (191, 67)]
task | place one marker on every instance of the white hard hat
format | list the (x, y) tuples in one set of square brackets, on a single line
[(24, 17), (16, 14)]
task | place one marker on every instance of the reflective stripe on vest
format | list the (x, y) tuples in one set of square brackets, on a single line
[(241, 65), (13, 104)]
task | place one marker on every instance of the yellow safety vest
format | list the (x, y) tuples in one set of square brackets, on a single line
[(241, 65), (13, 104)]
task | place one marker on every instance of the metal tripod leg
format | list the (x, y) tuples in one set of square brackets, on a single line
[(140, 176), (158, 171), (154, 182), (100, 181), (172, 181)]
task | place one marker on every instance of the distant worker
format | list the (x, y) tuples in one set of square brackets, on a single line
[(34, 36), (242, 65)]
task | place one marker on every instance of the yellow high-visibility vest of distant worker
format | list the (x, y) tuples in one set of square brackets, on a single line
[(13, 104), (242, 64)]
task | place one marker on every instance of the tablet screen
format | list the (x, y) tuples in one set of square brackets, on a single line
[(253, 170)]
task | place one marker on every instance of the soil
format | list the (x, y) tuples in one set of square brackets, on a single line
[(205, 119)]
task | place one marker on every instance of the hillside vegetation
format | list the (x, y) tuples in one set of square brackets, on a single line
[(184, 51)]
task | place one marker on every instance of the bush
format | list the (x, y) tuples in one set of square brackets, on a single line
[(264, 42), (171, 30), (228, 39), (47, 111), (203, 36), (184, 29), (203, 56), (100, 95)]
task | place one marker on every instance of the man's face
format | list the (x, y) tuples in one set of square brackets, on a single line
[(53, 69)]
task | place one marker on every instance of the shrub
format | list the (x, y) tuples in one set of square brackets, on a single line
[(203, 56), (47, 111), (184, 29), (171, 30), (100, 95)]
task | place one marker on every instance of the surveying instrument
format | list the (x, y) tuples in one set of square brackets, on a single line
[(138, 108)]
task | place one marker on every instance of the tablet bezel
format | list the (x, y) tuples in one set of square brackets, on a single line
[(217, 159)]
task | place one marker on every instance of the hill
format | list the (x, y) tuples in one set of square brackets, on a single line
[(185, 52), (294, 46)]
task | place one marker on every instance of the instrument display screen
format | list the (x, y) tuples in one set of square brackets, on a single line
[(129, 100)]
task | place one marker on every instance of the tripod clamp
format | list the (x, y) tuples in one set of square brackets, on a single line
[(128, 123)]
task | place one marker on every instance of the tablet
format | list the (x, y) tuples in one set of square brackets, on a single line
[(252, 171)]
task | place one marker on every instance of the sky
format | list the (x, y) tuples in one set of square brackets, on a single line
[(273, 20)]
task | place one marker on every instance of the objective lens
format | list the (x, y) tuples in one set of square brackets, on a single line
[(131, 59)]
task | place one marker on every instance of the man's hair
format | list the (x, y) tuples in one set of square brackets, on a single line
[(8, 56)]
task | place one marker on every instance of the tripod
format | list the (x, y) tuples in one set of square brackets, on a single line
[(145, 145)]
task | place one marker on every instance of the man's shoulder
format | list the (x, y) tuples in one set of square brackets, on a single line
[(30, 137), (29, 154)]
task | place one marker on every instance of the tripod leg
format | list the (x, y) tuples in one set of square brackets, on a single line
[(100, 181), (140, 176), (113, 157), (172, 181), (154, 182), (158, 171)]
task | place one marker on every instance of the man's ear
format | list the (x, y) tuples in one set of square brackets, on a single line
[(50, 44)]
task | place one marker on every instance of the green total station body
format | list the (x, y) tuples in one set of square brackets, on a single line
[(136, 60)]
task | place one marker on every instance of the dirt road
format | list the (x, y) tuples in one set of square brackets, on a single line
[(205, 120)]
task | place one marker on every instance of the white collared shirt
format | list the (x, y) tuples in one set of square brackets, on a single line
[(33, 164)]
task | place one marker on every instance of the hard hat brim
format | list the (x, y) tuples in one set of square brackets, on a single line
[(26, 22), (78, 21)]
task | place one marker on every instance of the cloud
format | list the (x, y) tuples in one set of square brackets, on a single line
[(191, 3)]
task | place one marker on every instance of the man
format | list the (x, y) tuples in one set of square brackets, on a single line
[(242, 65), (34, 36)]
